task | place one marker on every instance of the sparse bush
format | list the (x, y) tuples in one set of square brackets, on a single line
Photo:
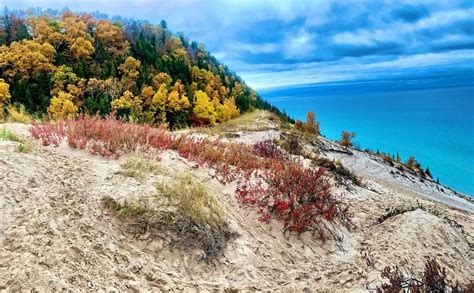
[(346, 138), (18, 114), (311, 126), (341, 173), (268, 149), (291, 144), (194, 201), (433, 279)]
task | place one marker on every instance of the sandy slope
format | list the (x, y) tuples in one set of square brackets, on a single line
[(55, 235)]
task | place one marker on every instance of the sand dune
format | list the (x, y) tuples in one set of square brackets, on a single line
[(54, 234)]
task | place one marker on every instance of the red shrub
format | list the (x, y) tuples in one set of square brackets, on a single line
[(297, 195), (268, 149), (48, 133)]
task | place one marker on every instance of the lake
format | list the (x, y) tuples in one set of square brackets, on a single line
[(435, 125)]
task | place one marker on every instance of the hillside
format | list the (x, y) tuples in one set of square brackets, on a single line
[(57, 233), (62, 64)]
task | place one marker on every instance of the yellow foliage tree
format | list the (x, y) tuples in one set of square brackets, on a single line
[(129, 70), (45, 30), (128, 102), (82, 48), (27, 58), (4, 95), (147, 93), (161, 78), (61, 106), (111, 36), (4, 92), (204, 109), (227, 110)]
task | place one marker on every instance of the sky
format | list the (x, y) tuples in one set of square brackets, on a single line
[(282, 43)]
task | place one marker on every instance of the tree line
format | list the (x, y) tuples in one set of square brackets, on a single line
[(63, 64)]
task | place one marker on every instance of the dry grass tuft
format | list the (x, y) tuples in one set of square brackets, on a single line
[(18, 114), (184, 211), (138, 167), (194, 201)]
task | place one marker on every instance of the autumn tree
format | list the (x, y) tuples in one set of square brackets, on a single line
[(62, 106), (346, 138), (311, 125), (129, 70), (27, 59), (410, 162), (4, 95), (65, 63), (128, 104), (204, 111), (111, 37)]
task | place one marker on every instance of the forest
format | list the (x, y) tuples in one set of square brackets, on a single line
[(61, 64)]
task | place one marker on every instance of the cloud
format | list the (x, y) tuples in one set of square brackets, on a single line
[(298, 44), (411, 13), (293, 42)]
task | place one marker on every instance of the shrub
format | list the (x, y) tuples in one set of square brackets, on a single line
[(297, 195), (300, 196), (433, 279), (48, 133), (291, 144), (194, 201), (311, 126), (18, 114), (268, 149), (346, 138)]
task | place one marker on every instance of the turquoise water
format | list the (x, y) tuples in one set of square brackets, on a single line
[(435, 125)]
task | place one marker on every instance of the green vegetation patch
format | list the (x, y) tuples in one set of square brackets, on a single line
[(6, 134)]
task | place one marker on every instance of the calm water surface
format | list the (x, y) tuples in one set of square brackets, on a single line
[(435, 125)]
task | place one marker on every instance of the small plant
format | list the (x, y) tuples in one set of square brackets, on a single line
[(291, 144), (194, 201), (297, 195), (346, 138), (23, 147), (6, 134)]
